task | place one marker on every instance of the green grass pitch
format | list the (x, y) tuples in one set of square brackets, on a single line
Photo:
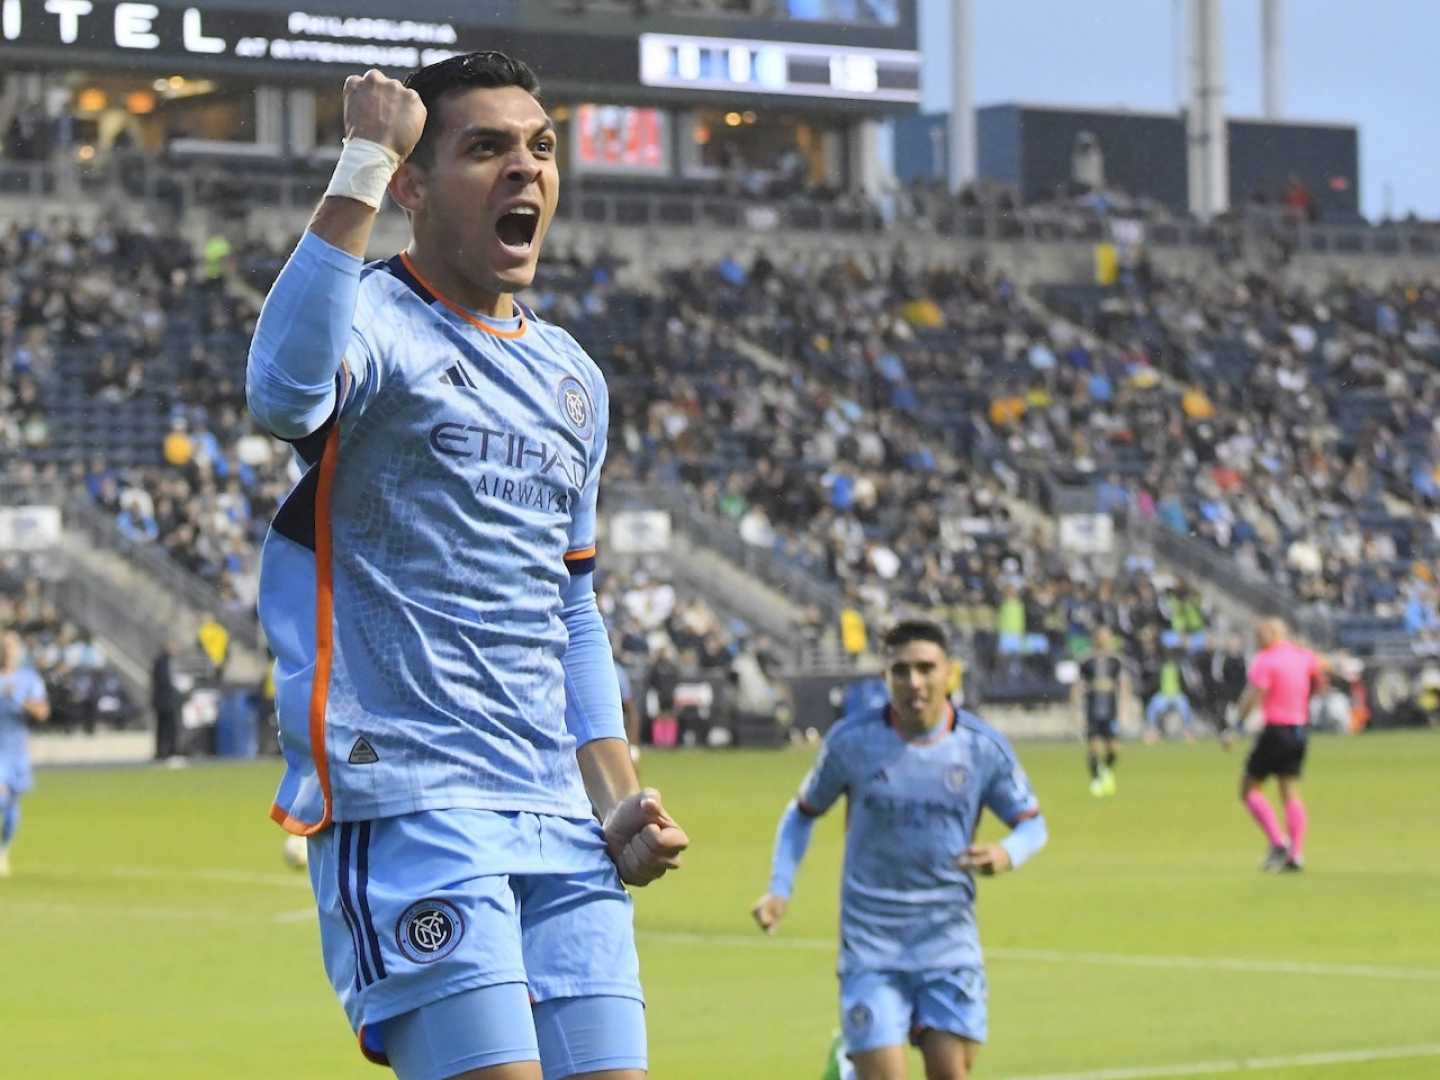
[(151, 929)]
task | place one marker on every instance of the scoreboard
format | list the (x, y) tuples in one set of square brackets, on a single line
[(779, 67), (622, 58)]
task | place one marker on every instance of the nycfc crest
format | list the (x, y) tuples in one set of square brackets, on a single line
[(858, 1018), (429, 930), (575, 404), (955, 779)]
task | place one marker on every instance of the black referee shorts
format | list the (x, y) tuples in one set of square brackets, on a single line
[(1279, 751)]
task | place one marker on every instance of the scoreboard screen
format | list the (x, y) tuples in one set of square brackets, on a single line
[(842, 66), (620, 139), (779, 67)]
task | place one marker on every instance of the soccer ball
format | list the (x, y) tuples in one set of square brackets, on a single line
[(295, 852)]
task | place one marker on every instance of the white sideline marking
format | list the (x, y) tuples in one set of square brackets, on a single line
[(291, 879), (161, 914), (226, 877), (152, 913), (1213, 864), (299, 915), (1219, 963), (1212, 963), (1203, 1068), (159, 873)]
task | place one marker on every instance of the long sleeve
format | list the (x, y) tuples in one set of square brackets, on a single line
[(592, 689), (792, 840), (304, 331), (1027, 838)]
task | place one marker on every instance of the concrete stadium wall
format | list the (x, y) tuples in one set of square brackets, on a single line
[(650, 249)]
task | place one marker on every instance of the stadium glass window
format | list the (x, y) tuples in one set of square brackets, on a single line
[(759, 153), (108, 111)]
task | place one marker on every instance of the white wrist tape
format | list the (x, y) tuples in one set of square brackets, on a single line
[(363, 172)]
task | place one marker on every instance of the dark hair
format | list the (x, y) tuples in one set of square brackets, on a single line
[(902, 633), (488, 69)]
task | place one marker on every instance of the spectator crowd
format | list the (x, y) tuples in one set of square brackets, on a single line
[(870, 422)]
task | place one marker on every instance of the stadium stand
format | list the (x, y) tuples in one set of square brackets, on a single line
[(1291, 430), (874, 426), (84, 689)]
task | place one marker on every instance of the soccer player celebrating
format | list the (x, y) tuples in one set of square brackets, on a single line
[(446, 692), (917, 775), (22, 697), (1283, 675), (1102, 677)]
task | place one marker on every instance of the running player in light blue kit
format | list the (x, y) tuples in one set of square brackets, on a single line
[(917, 774), (446, 692), (22, 697)]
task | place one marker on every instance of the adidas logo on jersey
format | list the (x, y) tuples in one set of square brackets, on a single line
[(879, 776), (456, 375), (362, 753)]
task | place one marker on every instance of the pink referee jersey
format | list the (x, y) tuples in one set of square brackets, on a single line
[(1284, 674)]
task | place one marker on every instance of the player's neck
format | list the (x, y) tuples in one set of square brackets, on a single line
[(919, 726), (455, 289)]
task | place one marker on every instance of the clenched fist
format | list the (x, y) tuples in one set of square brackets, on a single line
[(383, 110), (768, 911), (643, 839)]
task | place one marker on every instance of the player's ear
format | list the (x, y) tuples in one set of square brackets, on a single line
[(407, 187)]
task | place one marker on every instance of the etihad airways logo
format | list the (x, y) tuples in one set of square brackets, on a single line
[(535, 461)]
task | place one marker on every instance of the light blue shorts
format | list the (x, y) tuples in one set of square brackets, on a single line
[(16, 774), (424, 907), (891, 1008), (495, 1025)]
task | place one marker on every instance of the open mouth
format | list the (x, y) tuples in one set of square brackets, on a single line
[(516, 228)]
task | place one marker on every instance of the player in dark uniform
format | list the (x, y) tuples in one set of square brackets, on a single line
[(1102, 676), (1230, 674)]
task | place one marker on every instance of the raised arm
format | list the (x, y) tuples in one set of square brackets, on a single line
[(305, 326)]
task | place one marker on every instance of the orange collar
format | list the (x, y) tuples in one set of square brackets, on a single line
[(464, 312)]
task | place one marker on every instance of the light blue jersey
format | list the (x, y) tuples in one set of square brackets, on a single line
[(17, 687), (413, 583), (913, 808)]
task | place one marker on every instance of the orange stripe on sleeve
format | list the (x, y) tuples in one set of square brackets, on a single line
[(324, 641), (582, 553)]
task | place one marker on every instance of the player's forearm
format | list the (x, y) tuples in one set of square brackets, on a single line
[(1025, 840), (346, 223), (39, 710), (608, 773), (792, 840), (592, 689), (302, 335)]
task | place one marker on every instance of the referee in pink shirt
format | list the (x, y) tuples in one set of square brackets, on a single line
[(1283, 675)]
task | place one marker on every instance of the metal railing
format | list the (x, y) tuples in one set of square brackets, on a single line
[(176, 591), (709, 531), (190, 590), (1224, 572)]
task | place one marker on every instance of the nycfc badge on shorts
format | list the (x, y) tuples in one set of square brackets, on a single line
[(575, 404), (858, 1018), (955, 779), (429, 930)]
